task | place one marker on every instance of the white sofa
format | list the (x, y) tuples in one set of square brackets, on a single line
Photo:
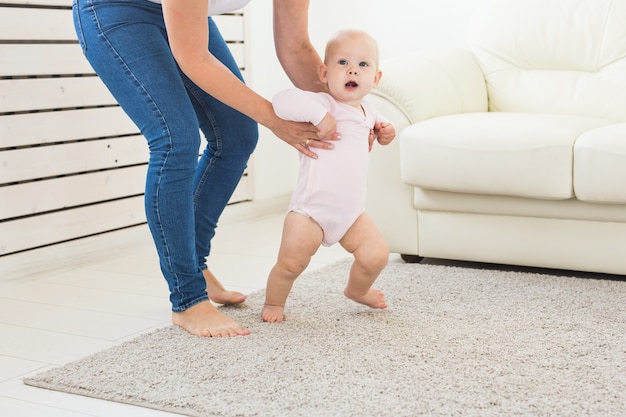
[(513, 149)]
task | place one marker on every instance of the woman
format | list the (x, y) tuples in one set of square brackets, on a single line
[(155, 61)]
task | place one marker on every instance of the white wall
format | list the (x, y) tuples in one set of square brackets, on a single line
[(398, 25)]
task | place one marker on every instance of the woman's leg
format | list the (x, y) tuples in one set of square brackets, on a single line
[(126, 45), (231, 139)]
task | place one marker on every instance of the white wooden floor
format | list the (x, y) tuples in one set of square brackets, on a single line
[(50, 319)]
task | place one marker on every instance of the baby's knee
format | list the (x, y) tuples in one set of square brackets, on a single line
[(292, 268), (374, 261), (381, 259)]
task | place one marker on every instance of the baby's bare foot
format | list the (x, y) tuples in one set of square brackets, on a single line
[(373, 298), (204, 319), (218, 294), (273, 314)]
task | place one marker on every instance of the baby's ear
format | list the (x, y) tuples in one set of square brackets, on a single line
[(377, 77), (322, 72)]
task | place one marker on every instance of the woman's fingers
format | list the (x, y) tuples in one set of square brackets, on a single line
[(304, 137), (317, 143), (305, 149)]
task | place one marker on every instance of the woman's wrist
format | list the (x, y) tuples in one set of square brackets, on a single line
[(266, 115)]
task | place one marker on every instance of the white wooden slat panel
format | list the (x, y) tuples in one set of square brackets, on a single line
[(66, 3), (58, 126), (46, 59), (238, 51), (42, 59), (47, 161), (52, 93), (18, 23), (57, 193), (230, 26), (30, 232), (243, 192)]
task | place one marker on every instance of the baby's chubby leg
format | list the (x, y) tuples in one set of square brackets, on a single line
[(301, 238), (371, 255)]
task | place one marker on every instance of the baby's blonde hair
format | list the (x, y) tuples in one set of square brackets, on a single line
[(349, 33)]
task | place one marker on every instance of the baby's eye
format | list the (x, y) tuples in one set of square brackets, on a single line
[(343, 62), (363, 64)]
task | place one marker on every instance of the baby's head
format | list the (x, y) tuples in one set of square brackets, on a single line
[(350, 66)]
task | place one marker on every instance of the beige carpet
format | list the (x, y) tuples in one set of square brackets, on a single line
[(455, 341)]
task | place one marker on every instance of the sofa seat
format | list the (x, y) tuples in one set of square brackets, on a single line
[(514, 154)]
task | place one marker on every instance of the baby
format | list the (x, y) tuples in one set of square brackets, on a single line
[(328, 204)]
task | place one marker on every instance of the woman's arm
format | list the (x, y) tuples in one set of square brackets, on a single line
[(295, 52), (187, 29)]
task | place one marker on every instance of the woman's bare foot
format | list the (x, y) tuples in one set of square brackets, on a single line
[(373, 298), (204, 319), (218, 294), (273, 314)]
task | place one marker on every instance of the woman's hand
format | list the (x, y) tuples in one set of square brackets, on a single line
[(304, 136)]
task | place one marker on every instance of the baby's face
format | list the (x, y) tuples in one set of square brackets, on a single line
[(351, 69)]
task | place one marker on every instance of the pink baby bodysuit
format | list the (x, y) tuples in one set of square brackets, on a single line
[(331, 189)]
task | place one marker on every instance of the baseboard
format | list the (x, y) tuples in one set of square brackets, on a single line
[(32, 264), (248, 210), (60, 257)]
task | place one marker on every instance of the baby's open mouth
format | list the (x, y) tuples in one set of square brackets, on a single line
[(351, 84)]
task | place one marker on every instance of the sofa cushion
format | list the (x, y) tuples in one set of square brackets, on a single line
[(514, 154), (600, 165), (559, 56), (450, 78)]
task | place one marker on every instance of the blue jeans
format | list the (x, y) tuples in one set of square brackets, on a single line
[(126, 43)]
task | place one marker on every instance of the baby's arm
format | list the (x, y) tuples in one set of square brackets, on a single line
[(299, 106), (327, 126), (304, 106)]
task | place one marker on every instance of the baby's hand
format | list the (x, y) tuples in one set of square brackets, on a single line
[(327, 127), (385, 133)]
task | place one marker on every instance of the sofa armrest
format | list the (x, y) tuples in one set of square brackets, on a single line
[(389, 200), (433, 83)]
